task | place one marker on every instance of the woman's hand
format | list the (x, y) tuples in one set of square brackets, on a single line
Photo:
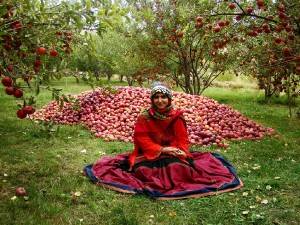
[(173, 151)]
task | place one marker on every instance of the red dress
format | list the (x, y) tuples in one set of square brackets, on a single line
[(148, 171)]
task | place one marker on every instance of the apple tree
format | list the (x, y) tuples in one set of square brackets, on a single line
[(36, 41)]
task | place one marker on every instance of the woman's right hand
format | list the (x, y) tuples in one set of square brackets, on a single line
[(173, 151)]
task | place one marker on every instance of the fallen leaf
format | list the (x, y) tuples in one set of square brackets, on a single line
[(258, 199), (258, 216), (77, 194), (265, 201), (101, 153), (245, 212), (256, 167), (245, 194), (172, 213), (268, 187)]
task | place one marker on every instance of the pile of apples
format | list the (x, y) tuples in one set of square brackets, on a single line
[(112, 116)]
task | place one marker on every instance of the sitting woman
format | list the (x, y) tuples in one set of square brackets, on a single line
[(161, 165)]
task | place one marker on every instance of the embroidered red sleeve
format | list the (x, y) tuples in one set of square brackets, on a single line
[(143, 141), (180, 140)]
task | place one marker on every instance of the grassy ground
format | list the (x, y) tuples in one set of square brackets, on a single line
[(49, 167)]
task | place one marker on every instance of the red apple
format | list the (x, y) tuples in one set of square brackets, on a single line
[(199, 25), (28, 109), (16, 25), (21, 114), (53, 53), (217, 28), (238, 17), (7, 81), (249, 10), (9, 90), (221, 23), (286, 51), (199, 19), (10, 68), (232, 5), (260, 3), (282, 15), (20, 191), (18, 93), (41, 51), (37, 63), (278, 40)]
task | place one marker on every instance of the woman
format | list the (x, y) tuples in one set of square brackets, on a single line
[(161, 165)]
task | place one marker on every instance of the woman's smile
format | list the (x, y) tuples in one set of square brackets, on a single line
[(160, 100)]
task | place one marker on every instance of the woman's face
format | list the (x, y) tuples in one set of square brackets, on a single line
[(160, 100)]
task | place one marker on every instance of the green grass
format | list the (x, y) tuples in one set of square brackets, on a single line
[(49, 167)]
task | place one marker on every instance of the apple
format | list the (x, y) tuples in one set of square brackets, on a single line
[(37, 63), (231, 5), (217, 29), (278, 40), (9, 90), (286, 51), (16, 25), (249, 10), (20, 191), (10, 68), (238, 17), (7, 81), (260, 3), (53, 53), (41, 51), (221, 23), (199, 19), (18, 93), (28, 109), (21, 114)]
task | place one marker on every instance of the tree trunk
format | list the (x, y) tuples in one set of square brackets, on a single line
[(109, 75), (121, 78), (129, 80)]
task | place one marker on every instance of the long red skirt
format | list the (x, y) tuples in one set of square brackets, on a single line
[(166, 177)]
